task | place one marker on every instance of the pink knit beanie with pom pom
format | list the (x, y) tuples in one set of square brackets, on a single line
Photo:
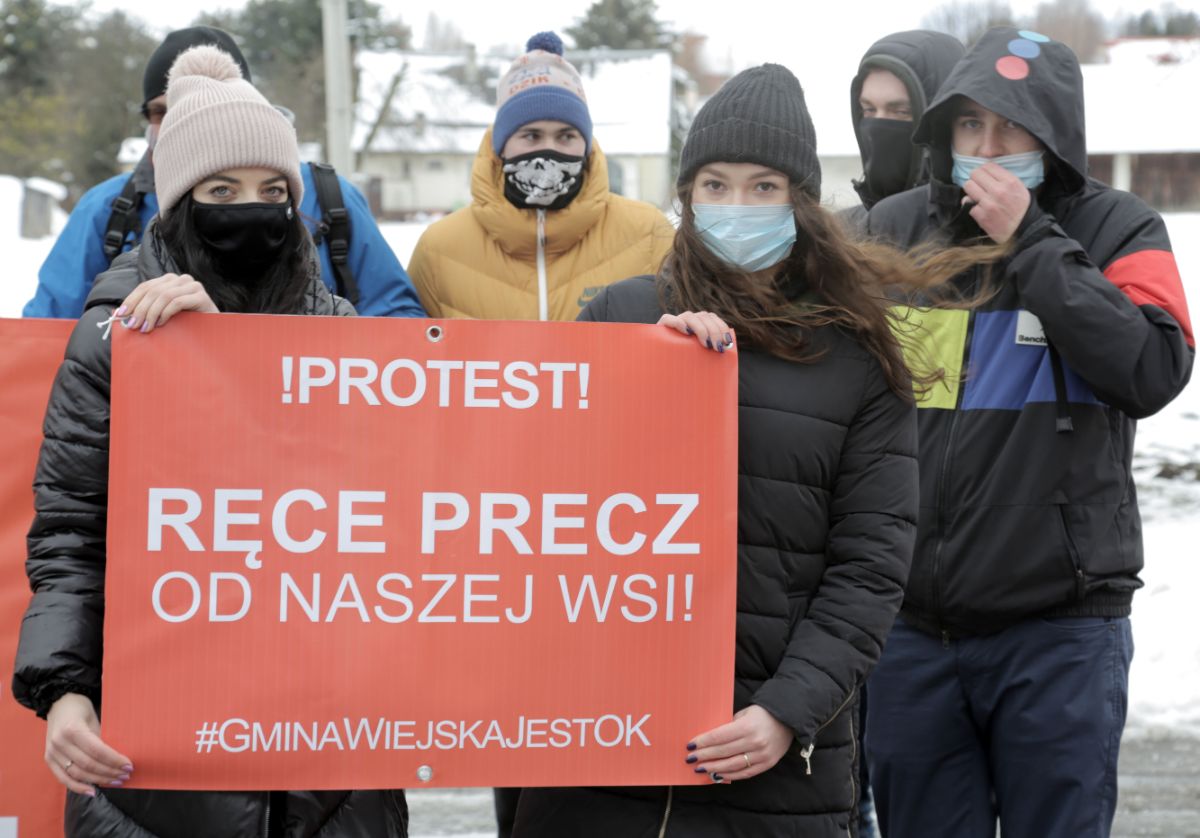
[(216, 120)]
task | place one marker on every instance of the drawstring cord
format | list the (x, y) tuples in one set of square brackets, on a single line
[(106, 325)]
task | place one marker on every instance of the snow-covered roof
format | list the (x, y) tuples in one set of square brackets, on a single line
[(1138, 101), (445, 102), (1141, 108), (47, 187), (1152, 50)]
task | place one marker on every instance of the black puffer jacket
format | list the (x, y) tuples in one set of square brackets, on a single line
[(60, 644), (1028, 505), (827, 492)]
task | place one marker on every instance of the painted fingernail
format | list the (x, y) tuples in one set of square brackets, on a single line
[(691, 746), (116, 783), (145, 327), (91, 792), (691, 759), (129, 322), (720, 347), (127, 768), (700, 770), (728, 339), (717, 778), (120, 312), (124, 777), (709, 342), (689, 330)]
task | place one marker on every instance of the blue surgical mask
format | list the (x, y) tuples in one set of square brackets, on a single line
[(750, 238), (1029, 166)]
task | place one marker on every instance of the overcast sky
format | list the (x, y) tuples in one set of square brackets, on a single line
[(814, 39)]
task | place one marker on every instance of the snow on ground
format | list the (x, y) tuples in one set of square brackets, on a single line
[(22, 257), (402, 238), (1165, 681)]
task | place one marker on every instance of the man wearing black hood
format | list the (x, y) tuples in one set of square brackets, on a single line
[(898, 76), (1003, 687)]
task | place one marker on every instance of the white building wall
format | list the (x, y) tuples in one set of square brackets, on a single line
[(421, 182)]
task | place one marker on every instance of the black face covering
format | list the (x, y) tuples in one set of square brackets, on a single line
[(887, 152), (244, 239), (542, 179)]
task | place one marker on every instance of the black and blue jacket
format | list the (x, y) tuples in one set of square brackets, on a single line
[(1028, 505)]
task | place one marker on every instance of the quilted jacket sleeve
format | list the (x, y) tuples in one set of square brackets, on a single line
[(873, 515), (60, 646), (1121, 322)]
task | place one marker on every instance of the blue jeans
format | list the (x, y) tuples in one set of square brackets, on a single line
[(1024, 726)]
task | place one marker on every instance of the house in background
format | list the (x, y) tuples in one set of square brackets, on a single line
[(421, 117), (1142, 130)]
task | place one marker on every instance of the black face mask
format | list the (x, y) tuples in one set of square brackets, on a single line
[(244, 239), (887, 152), (542, 179)]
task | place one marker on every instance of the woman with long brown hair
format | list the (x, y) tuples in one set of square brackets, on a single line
[(827, 492)]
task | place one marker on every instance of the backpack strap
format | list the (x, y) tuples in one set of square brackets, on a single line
[(123, 220), (334, 228)]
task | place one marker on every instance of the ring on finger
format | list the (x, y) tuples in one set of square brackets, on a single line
[(67, 765), (747, 758)]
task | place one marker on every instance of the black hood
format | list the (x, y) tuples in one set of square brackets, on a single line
[(1027, 78), (922, 60)]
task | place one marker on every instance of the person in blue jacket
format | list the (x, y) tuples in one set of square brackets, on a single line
[(78, 256)]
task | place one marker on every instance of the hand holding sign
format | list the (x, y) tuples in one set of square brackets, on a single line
[(76, 754), (747, 746), (155, 301)]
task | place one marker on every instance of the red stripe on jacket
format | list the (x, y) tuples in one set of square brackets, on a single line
[(1151, 277)]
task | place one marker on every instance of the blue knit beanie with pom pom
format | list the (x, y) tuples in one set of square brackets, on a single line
[(541, 84)]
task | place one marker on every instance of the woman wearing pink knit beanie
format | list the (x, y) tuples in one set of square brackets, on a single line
[(227, 239), (227, 175)]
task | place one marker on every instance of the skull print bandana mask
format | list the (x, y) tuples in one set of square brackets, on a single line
[(542, 179)]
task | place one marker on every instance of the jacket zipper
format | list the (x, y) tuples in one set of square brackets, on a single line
[(267, 818), (543, 293), (943, 479), (807, 751), (662, 829), (854, 754), (1072, 555)]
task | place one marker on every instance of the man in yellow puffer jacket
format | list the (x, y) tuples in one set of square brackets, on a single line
[(543, 234)]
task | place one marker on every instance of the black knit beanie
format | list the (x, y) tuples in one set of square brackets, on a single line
[(758, 116), (154, 81)]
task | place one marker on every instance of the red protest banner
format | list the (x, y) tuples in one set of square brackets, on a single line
[(355, 553), (31, 800)]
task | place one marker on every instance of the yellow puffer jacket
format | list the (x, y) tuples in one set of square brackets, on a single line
[(482, 261)]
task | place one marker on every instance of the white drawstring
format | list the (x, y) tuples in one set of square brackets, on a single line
[(106, 325)]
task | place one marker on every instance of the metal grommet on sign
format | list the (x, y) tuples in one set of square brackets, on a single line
[(435, 333), (425, 773)]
